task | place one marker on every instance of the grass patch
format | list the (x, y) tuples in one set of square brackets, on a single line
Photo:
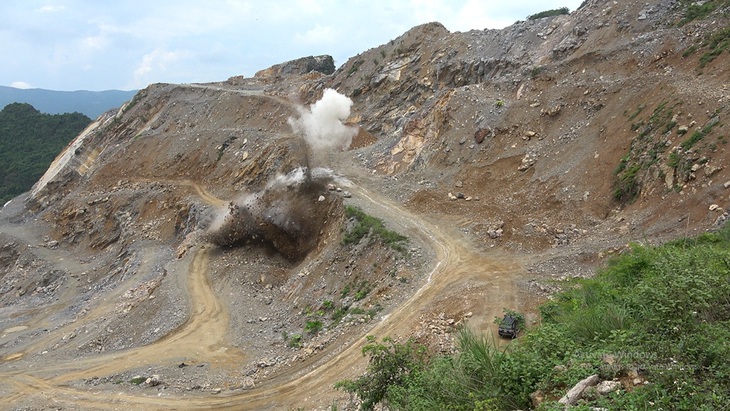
[(354, 68), (660, 312), (627, 186), (369, 225), (313, 327), (700, 10), (222, 148), (292, 340), (637, 112), (137, 380), (716, 44), (339, 314), (646, 148), (361, 290)]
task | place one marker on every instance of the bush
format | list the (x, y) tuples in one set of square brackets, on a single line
[(367, 224), (313, 327), (549, 13), (663, 312), (391, 365)]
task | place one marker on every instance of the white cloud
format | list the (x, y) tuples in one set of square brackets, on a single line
[(98, 42), (316, 36), (50, 9), (477, 15), (20, 84), (188, 40), (155, 64)]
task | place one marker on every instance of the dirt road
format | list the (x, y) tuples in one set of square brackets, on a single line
[(204, 334)]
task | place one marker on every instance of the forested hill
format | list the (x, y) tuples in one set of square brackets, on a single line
[(29, 141), (90, 103)]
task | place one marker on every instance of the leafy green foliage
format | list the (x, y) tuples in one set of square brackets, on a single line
[(313, 327), (292, 340), (716, 44), (662, 312), (367, 224), (645, 149), (549, 13), (29, 141), (391, 365), (700, 10), (627, 185), (137, 380)]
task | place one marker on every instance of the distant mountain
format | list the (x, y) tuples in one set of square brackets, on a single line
[(90, 103)]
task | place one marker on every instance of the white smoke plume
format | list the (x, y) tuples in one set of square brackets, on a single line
[(290, 211), (321, 124)]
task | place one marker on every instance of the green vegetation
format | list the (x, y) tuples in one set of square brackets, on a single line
[(627, 184), (700, 10), (354, 68), (645, 149), (536, 71), (716, 44), (367, 225), (313, 327), (222, 148), (549, 13), (137, 380), (29, 141), (656, 318), (292, 340)]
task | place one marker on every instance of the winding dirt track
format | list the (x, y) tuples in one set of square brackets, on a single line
[(204, 334)]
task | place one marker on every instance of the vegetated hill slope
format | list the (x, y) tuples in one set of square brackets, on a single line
[(29, 141), (508, 157), (90, 103)]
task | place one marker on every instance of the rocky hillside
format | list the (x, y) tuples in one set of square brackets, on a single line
[(613, 117), (195, 249)]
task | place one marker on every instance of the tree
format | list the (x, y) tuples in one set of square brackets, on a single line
[(29, 141)]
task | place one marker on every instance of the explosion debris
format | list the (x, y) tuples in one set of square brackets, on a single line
[(290, 212)]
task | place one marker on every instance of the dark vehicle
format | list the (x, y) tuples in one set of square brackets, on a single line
[(509, 327)]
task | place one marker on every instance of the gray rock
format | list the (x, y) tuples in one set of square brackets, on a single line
[(606, 387), (575, 393)]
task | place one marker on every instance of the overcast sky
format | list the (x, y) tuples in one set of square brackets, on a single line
[(128, 44)]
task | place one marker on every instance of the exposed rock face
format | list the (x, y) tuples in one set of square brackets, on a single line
[(305, 65)]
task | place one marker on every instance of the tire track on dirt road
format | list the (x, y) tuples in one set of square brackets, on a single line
[(203, 336)]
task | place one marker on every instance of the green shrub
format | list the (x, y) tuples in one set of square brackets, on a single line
[(627, 186), (391, 364), (367, 224), (663, 312), (137, 380), (313, 327), (700, 10), (549, 13)]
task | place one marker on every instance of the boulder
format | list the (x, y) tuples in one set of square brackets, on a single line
[(606, 387), (575, 393)]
